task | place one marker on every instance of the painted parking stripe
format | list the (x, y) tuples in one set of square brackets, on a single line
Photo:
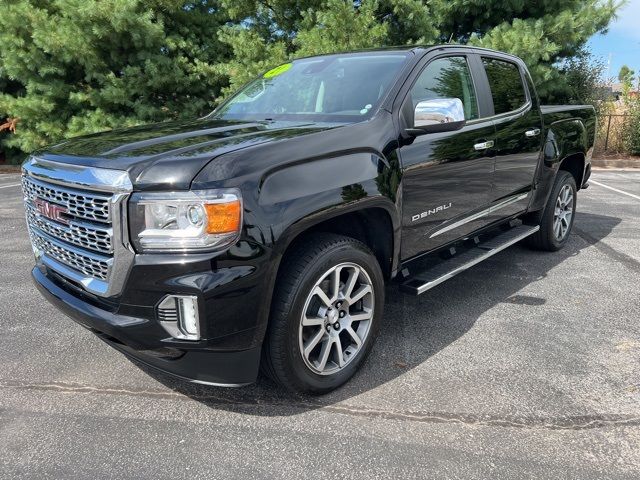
[(12, 185), (615, 189)]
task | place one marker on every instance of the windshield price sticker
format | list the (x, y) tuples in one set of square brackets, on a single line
[(274, 72)]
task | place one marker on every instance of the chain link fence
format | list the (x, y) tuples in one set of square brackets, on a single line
[(612, 132)]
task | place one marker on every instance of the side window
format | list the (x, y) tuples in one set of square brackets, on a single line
[(506, 85), (448, 77)]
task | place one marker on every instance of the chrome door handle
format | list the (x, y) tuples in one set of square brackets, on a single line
[(483, 145), (533, 132)]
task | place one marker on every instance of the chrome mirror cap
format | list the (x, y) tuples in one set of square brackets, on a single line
[(438, 115), (438, 110)]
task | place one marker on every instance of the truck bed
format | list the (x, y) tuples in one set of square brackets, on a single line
[(554, 113)]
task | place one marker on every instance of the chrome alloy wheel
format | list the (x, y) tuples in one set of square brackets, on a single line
[(563, 213), (336, 318)]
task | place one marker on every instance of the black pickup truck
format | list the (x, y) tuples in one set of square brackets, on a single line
[(262, 234)]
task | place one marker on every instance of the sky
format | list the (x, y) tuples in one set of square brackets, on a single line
[(622, 40)]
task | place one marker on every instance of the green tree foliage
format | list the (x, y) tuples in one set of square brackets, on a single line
[(631, 132), (543, 33), (69, 67), (340, 25), (626, 74), (582, 78), (631, 128), (265, 33)]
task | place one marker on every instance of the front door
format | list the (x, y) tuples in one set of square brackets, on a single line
[(446, 183)]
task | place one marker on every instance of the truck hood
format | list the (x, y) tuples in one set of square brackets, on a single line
[(169, 155)]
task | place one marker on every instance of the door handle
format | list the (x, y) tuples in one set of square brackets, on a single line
[(533, 132), (483, 145)]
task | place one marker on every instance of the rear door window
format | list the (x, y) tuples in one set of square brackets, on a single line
[(507, 89)]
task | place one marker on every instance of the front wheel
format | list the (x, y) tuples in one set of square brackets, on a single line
[(558, 215), (326, 312)]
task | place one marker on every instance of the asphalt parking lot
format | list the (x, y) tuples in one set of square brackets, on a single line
[(526, 366)]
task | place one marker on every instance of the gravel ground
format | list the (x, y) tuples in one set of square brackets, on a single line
[(526, 366)]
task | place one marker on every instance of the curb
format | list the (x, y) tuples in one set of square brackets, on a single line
[(633, 162), (9, 168)]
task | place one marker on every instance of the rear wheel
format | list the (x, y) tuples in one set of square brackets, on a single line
[(326, 313), (558, 215)]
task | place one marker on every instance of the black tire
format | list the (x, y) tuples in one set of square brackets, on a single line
[(302, 268), (546, 238)]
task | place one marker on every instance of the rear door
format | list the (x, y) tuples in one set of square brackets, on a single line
[(447, 176), (518, 138)]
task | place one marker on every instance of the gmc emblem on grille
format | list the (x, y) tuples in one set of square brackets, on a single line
[(49, 210)]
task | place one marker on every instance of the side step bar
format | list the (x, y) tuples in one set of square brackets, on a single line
[(423, 281)]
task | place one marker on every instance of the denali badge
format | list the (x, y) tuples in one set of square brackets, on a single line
[(49, 210), (430, 212)]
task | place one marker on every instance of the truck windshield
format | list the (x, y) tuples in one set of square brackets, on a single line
[(333, 88)]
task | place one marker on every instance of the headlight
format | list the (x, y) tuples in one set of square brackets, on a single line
[(183, 221)]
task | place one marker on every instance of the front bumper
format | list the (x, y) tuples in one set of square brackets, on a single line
[(144, 340)]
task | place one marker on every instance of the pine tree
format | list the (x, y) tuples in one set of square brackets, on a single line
[(69, 67), (543, 33)]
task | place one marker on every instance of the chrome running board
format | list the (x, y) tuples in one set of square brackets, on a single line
[(429, 278)]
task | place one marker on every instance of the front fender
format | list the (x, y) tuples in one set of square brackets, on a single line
[(293, 199), (311, 192)]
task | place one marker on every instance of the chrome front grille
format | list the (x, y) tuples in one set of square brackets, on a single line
[(93, 237), (79, 204), (75, 216), (90, 265)]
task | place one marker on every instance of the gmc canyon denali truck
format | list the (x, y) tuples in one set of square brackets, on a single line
[(262, 235)]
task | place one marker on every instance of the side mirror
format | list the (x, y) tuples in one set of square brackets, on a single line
[(437, 115)]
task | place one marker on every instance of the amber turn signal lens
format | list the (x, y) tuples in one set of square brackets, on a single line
[(223, 217)]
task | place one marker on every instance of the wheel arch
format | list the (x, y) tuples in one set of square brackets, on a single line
[(574, 163), (566, 148), (374, 223)]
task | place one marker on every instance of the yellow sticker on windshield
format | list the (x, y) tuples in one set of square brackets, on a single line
[(274, 72)]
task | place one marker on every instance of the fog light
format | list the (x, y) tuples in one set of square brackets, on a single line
[(178, 314), (188, 315)]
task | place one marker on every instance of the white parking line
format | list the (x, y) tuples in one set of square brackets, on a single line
[(12, 185), (615, 189)]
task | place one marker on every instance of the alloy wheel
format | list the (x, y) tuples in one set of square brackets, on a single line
[(336, 318), (563, 213)]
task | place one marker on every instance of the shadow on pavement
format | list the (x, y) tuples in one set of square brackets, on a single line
[(414, 328)]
